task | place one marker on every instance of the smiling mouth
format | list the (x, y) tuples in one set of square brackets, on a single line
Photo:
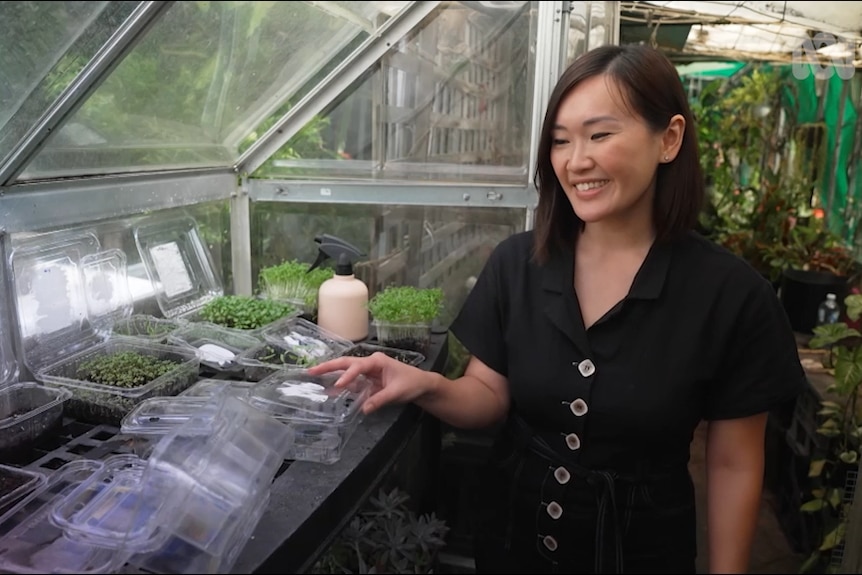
[(589, 186)]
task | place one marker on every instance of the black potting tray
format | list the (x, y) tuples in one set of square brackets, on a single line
[(72, 440)]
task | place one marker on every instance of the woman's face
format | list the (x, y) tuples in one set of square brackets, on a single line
[(604, 156)]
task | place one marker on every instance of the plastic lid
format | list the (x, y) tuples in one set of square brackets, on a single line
[(68, 292), (159, 415), (298, 396), (178, 264)]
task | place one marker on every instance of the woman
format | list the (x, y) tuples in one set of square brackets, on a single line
[(603, 337)]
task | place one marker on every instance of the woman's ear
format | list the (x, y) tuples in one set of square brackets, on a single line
[(672, 138)]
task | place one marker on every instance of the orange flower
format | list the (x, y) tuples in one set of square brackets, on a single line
[(819, 213)]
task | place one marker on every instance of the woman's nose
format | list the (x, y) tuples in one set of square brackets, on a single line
[(579, 159)]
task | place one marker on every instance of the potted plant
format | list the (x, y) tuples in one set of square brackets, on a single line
[(244, 312), (293, 282), (839, 423), (402, 316), (813, 261), (386, 537)]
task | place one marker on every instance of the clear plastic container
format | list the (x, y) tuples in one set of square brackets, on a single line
[(154, 418), (27, 411), (206, 388), (310, 343), (364, 349), (217, 347), (228, 465), (31, 543), (178, 263), (321, 418), (180, 556), (103, 403), (408, 336), (122, 506), (150, 328), (16, 483)]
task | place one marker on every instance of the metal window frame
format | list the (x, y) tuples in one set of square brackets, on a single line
[(93, 74)]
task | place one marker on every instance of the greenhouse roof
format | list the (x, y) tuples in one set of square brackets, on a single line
[(751, 30)]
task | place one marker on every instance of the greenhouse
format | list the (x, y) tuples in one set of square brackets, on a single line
[(181, 184)]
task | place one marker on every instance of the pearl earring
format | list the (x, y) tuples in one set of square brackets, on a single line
[(666, 159)]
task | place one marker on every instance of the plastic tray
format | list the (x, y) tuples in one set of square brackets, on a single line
[(27, 411), (206, 388), (408, 336), (306, 340), (31, 543), (364, 349), (155, 417), (126, 506), (150, 328), (207, 339), (102, 403), (16, 483), (321, 418)]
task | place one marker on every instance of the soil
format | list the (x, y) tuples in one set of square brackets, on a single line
[(10, 482), (407, 343), (364, 351)]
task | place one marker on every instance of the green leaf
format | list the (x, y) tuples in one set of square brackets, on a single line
[(834, 498), (853, 303), (849, 456), (833, 538), (812, 506), (815, 468)]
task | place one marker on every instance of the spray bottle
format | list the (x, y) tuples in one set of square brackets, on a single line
[(342, 301)]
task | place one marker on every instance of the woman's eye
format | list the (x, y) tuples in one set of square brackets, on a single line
[(599, 136), (559, 141)]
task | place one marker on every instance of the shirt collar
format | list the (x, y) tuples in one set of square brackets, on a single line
[(648, 283)]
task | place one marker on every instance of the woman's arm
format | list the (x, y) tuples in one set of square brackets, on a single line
[(477, 399), (734, 471)]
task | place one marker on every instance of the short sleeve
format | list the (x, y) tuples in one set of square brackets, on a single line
[(480, 323), (760, 368)]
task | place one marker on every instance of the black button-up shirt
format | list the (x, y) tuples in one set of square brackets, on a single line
[(700, 335)]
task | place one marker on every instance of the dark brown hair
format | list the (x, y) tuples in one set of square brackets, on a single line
[(650, 85)]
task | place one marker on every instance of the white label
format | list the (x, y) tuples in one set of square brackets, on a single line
[(171, 269)]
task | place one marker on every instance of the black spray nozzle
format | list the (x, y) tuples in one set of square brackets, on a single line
[(343, 253)]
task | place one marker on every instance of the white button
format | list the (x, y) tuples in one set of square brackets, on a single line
[(562, 475), (550, 543), (587, 368), (554, 509), (578, 407), (573, 441)]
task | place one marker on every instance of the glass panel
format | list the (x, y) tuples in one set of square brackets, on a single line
[(199, 81), (591, 24), (451, 102), (415, 245), (43, 46)]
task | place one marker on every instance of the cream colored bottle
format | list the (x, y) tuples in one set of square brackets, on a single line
[(342, 303)]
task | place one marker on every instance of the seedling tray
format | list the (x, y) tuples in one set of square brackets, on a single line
[(413, 358), (101, 403)]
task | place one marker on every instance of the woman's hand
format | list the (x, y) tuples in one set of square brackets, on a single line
[(392, 381)]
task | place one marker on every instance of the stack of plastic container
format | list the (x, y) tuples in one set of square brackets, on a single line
[(230, 459), (189, 508)]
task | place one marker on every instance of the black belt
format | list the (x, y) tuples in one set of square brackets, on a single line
[(603, 482)]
